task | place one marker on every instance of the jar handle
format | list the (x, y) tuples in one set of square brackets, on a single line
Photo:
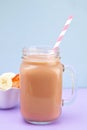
[(74, 88)]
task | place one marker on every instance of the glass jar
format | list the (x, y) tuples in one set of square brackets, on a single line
[(41, 85)]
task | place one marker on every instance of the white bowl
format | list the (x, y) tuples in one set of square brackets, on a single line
[(9, 98)]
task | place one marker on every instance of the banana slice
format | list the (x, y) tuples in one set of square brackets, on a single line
[(5, 82), (8, 75)]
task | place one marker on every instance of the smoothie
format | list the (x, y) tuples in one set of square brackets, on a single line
[(41, 88)]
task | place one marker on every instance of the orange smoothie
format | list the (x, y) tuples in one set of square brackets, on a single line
[(41, 88)]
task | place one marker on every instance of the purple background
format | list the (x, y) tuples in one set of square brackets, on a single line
[(74, 117)]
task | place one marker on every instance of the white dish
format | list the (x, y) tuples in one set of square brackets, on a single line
[(9, 98)]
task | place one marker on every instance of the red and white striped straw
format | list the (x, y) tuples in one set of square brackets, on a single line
[(65, 28)]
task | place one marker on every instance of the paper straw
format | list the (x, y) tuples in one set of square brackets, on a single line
[(65, 28)]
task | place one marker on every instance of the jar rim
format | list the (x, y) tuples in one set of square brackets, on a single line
[(39, 51)]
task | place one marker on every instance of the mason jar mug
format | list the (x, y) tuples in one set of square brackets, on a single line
[(41, 73)]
